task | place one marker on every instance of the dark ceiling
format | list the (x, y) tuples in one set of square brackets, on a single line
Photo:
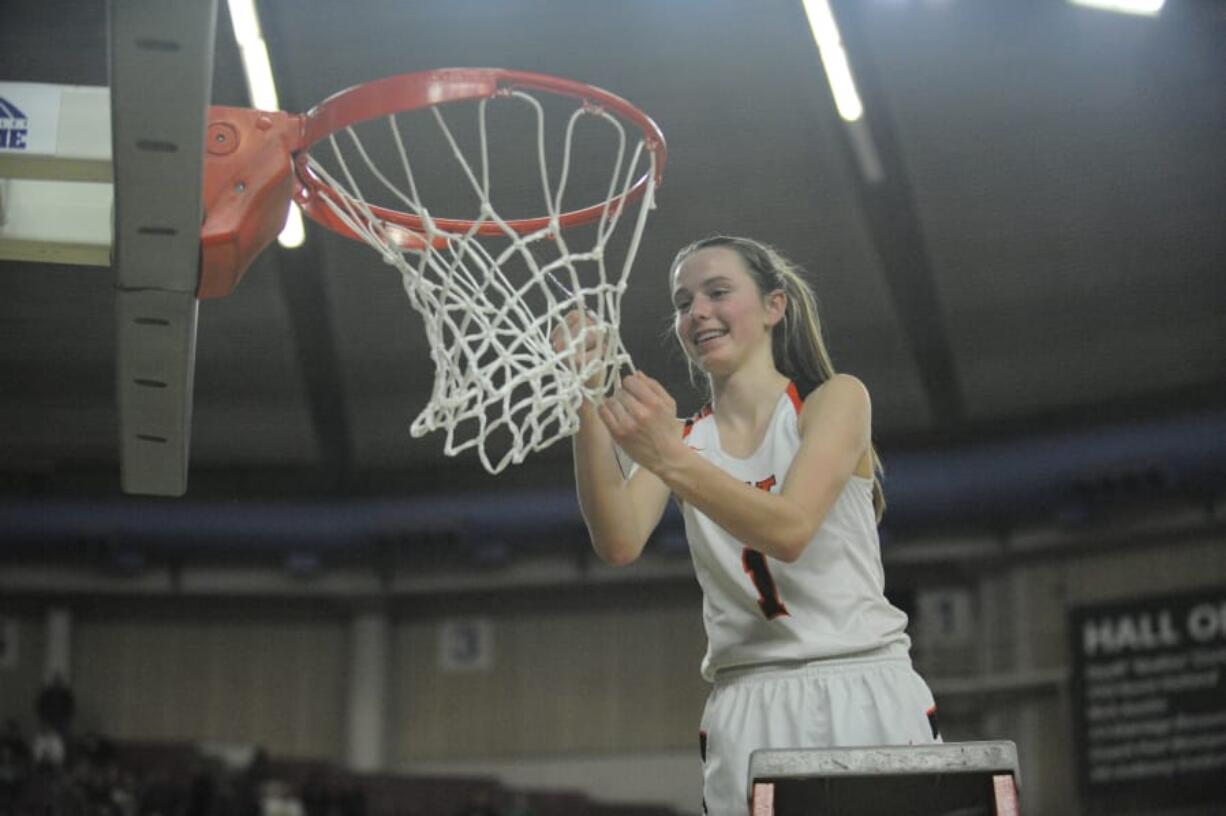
[(1043, 259)]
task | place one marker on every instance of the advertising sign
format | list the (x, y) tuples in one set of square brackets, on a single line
[(29, 118)]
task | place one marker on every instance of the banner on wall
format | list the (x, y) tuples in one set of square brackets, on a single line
[(29, 118), (465, 645), (1149, 701)]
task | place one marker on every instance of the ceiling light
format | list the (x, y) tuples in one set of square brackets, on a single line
[(260, 85), (245, 21), (292, 234), (262, 90), (1145, 8), (834, 59)]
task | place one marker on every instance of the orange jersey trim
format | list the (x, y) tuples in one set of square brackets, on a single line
[(794, 394), (689, 423)]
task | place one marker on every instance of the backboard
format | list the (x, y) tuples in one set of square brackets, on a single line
[(112, 176)]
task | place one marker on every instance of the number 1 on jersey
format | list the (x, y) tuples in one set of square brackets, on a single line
[(754, 564)]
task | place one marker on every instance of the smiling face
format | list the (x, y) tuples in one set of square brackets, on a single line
[(722, 319)]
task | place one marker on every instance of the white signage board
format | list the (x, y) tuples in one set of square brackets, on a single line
[(30, 118)]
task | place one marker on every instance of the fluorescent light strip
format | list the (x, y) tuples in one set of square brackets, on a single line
[(262, 90), (245, 21), (292, 234), (834, 59), (1144, 8), (260, 84)]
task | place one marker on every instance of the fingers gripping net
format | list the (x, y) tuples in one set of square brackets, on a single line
[(510, 371)]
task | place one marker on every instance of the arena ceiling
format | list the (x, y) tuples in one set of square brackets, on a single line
[(1042, 258)]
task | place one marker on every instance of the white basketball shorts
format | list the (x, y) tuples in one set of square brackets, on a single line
[(875, 700)]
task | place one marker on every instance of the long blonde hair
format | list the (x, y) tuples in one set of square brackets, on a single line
[(797, 345)]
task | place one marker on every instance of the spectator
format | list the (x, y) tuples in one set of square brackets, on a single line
[(316, 800), (350, 800), (160, 796), (56, 706), (479, 804), (201, 791), (14, 765), (48, 748), (520, 805), (277, 799)]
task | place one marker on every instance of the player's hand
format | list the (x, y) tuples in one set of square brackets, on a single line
[(581, 338), (642, 419)]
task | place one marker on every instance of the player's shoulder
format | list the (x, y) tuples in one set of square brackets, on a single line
[(841, 388), (841, 394)]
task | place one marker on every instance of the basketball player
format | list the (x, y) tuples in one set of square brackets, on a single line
[(779, 486)]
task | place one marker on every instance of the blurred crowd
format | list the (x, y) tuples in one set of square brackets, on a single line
[(86, 776), (56, 772)]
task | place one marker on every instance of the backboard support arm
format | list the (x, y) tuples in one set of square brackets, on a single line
[(161, 65)]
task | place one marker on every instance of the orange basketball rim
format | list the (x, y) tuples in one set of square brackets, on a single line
[(256, 162)]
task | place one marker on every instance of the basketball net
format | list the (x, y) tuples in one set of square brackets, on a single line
[(500, 386)]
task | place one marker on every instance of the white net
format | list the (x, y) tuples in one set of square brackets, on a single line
[(492, 296)]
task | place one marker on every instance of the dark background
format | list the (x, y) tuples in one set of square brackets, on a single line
[(1034, 294)]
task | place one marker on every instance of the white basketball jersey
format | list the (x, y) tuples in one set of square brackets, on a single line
[(829, 603)]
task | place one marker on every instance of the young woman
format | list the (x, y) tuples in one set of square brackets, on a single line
[(777, 481)]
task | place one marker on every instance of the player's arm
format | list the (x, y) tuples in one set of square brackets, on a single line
[(834, 431), (620, 513)]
